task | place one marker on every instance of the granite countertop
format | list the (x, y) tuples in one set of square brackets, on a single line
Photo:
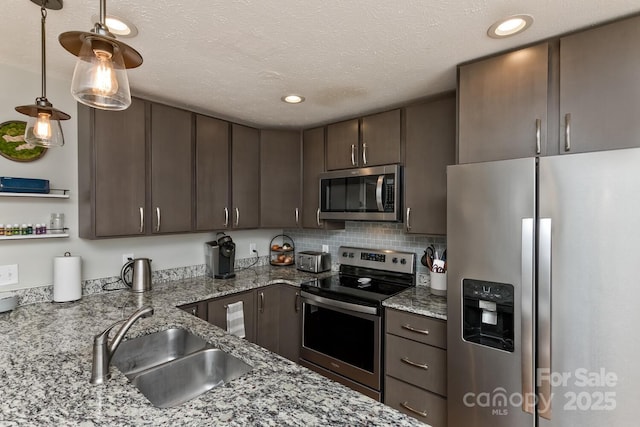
[(45, 365), (419, 300)]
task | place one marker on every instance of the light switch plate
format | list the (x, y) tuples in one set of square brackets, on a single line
[(325, 248), (8, 274)]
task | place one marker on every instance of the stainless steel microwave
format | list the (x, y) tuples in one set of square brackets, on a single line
[(366, 194)]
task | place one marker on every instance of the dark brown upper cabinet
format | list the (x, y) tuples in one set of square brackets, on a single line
[(599, 91), (213, 156), (112, 165), (312, 166), (430, 148), (171, 170), (280, 179), (502, 106), (371, 141), (245, 177)]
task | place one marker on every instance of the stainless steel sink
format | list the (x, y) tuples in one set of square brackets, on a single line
[(183, 379), (138, 354), (173, 366)]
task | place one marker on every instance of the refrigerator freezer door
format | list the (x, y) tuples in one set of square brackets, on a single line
[(590, 306), (486, 206)]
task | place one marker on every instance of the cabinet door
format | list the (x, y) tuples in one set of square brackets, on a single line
[(342, 145), (198, 309), (268, 315), (217, 312), (280, 178), (171, 166), (290, 322), (380, 139), (111, 171), (312, 167), (430, 147), (212, 174), (245, 179), (599, 93), (502, 106)]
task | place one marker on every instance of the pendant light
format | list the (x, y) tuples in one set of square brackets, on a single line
[(43, 127), (100, 77)]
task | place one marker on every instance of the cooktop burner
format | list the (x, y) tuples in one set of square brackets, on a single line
[(358, 280)]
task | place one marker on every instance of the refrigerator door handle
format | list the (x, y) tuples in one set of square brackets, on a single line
[(528, 248), (544, 319)]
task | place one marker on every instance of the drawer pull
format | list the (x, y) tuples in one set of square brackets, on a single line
[(417, 365), (412, 329), (406, 406)]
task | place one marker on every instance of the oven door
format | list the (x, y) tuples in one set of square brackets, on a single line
[(343, 338)]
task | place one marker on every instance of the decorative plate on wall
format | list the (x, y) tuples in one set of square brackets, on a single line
[(12, 145)]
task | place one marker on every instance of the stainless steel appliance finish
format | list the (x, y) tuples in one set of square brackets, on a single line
[(140, 274), (343, 324), (366, 194), (562, 231), (313, 262)]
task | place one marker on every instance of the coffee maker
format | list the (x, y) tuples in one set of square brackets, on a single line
[(220, 257)]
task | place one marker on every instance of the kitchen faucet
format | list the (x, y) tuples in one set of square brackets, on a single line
[(103, 350)]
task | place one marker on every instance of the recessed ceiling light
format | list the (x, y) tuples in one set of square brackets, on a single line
[(118, 26), (293, 99), (510, 26)]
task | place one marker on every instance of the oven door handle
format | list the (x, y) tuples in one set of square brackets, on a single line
[(312, 299)]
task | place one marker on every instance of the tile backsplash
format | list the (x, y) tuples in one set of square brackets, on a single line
[(376, 235)]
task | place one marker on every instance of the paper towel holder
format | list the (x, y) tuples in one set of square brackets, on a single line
[(67, 278)]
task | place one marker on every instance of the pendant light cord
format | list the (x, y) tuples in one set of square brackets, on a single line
[(43, 12)]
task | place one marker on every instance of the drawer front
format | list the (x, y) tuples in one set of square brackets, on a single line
[(416, 363), (418, 328), (420, 404)]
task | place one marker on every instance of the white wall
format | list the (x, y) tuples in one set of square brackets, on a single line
[(101, 258)]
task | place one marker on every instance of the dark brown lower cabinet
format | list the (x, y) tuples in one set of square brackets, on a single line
[(272, 317), (416, 366), (217, 312)]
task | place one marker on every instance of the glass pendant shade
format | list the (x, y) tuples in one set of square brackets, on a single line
[(44, 131), (100, 76)]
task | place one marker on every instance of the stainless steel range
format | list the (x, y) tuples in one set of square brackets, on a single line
[(343, 322)]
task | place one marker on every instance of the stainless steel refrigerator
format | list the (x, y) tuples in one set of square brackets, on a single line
[(544, 291)]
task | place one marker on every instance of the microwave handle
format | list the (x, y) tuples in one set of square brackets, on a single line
[(379, 193)]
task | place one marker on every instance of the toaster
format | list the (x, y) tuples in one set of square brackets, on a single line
[(314, 262)]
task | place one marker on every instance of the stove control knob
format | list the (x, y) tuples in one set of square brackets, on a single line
[(350, 254), (394, 260), (345, 254), (403, 261)]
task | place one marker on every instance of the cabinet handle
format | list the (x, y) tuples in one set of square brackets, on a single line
[(406, 406), (567, 132), (318, 218), (297, 216), (297, 302), (261, 302), (538, 127), (141, 219), (412, 329), (364, 153), (417, 365), (237, 217), (226, 217), (353, 155), (408, 219), (158, 218)]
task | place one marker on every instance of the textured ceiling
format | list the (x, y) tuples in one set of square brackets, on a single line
[(236, 59)]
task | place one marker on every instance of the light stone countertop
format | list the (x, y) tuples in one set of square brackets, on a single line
[(419, 300), (45, 365)]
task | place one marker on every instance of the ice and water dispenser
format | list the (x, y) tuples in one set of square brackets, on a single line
[(487, 314)]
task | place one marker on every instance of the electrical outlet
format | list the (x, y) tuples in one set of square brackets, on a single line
[(9, 274), (325, 248), (423, 279), (125, 258), (252, 248)]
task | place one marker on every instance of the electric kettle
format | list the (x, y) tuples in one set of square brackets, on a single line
[(140, 274)]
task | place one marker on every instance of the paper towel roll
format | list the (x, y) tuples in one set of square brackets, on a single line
[(67, 281)]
